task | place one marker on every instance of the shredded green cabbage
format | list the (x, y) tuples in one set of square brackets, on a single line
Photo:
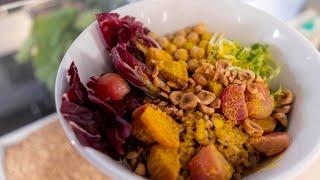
[(254, 57)]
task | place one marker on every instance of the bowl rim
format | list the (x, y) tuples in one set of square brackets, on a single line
[(119, 173)]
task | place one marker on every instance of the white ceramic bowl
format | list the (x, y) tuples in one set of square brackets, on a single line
[(300, 60)]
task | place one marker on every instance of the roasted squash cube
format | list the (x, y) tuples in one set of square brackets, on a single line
[(157, 54), (151, 124), (173, 70), (163, 163)]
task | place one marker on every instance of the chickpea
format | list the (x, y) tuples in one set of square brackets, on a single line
[(188, 45), (179, 40), (203, 44), (153, 35), (163, 41), (171, 48), (206, 36), (200, 28), (181, 54), (193, 37), (197, 52), (193, 64), (180, 33)]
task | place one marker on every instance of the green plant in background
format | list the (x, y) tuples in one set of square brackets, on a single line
[(50, 37)]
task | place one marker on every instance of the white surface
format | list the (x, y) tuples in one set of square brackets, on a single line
[(284, 9), (18, 135), (300, 60), (14, 29)]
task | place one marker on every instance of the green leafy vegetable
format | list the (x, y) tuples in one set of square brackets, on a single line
[(50, 37), (256, 57)]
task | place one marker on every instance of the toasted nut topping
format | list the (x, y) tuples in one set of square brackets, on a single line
[(188, 101), (216, 103), (283, 109), (175, 97), (205, 97), (246, 75), (198, 88), (252, 128), (172, 84), (140, 170), (200, 79), (164, 95), (282, 118), (163, 103), (287, 98), (132, 155), (206, 110), (222, 64), (179, 113)]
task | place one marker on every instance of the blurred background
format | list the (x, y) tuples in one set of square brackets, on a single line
[(34, 35)]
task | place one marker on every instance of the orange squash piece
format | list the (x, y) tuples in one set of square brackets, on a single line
[(151, 124), (163, 163)]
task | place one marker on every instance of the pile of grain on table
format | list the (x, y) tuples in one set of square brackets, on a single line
[(47, 154)]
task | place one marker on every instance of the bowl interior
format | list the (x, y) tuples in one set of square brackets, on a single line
[(300, 64)]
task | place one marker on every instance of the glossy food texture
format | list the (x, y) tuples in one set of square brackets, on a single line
[(209, 164), (233, 103), (95, 122), (122, 37)]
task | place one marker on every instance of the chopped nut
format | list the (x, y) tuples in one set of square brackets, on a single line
[(222, 64), (132, 155), (287, 98), (205, 97), (140, 170), (179, 113), (191, 82), (172, 84), (175, 97), (198, 88), (246, 75), (188, 101), (224, 80), (282, 118), (252, 128), (283, 109), (163, 103), (157, 82), (216, 103), (237, 81), (200, 79), (164, 95), (206, 110)]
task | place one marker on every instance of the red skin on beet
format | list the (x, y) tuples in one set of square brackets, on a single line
[(233, 103), (111, 86)]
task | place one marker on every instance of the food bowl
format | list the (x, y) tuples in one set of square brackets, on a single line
[(299, 59)]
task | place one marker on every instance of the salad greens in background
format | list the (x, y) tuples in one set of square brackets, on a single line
[(50, 37)]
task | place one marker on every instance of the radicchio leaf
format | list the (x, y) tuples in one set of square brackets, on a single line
[(122, 36), (96, 123), (134, 71)]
